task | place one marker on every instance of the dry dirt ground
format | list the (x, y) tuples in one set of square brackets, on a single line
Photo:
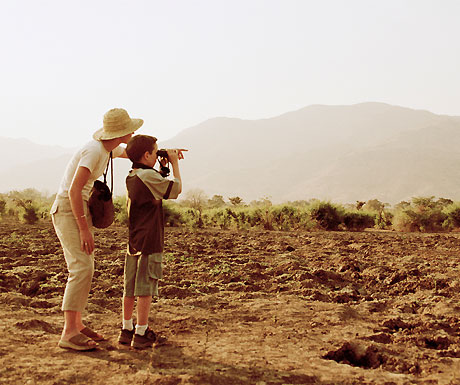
[(244, 307)]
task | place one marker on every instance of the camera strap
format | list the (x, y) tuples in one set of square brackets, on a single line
[(110, 161)]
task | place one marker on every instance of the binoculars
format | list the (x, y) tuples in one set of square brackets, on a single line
[(164, 171), (162, 153)]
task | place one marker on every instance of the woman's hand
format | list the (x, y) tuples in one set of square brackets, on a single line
[(87, 241)]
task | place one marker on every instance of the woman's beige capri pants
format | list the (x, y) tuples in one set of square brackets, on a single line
[(79, 264)]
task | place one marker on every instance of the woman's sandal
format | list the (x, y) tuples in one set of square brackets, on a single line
[(92, 334), (79, 342)]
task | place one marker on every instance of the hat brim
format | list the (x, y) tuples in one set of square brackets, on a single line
[(101, 134)]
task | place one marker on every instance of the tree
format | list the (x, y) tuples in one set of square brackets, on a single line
[(262, 202), (423, 204), (28, 193), (383, 219), (235, 201), (196, 199), (216, 201), (444, 202), (359, 205), (402, 205), (374, 205), (422, 214)]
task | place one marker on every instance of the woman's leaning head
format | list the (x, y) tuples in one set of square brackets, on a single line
[(117, 124)]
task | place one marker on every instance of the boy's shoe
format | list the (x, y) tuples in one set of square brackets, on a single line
[(145, 341), (126, 336)]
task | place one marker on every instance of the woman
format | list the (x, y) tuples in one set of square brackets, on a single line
[(73, 225)]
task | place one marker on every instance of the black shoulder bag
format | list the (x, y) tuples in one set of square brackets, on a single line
[(100, 200)]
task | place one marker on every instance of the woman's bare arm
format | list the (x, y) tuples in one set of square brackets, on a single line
[(76, 201)]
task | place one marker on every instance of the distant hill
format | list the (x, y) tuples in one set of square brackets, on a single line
[(22, 152), (25, 164), (341, 153)]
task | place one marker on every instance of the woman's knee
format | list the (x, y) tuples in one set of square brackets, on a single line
[(88, 272), (84, 273)]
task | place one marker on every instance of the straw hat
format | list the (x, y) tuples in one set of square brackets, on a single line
[(117, 123)]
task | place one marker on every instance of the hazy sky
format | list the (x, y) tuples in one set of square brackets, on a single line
[(178, 63)]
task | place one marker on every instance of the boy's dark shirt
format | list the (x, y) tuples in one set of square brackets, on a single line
[(146, 190)]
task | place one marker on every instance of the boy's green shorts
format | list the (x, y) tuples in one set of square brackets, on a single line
[(142, 273)]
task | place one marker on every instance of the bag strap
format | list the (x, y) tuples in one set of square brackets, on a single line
[(110, 161)]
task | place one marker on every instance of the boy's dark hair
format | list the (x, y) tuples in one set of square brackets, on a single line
[(138, 145)]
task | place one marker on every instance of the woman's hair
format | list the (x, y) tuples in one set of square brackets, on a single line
[(138, 145)]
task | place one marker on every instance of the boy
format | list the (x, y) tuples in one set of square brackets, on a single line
[(143, 263)]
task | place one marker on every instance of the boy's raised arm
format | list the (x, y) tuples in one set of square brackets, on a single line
[(174, 155)]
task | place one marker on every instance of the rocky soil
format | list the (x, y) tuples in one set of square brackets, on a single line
[(243, 307)]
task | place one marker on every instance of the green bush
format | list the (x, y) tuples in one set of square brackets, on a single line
[(281, 217), (384, 220), (327, 215), (29, 210), (256, 216), (13, 213), (284, 217), (404, 221), (28, 205), (433, 222), (358, 220), (121, 210), (2, 207), (423, 214), (218, 217), (192, 218), (173, 214), (419, 214), (266, 219), (242, 219), (453, 216), (30, 216)]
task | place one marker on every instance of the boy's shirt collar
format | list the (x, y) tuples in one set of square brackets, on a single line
[(141, 165), (164, 170)]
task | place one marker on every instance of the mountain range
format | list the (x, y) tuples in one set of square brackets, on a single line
[(339, 153)]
